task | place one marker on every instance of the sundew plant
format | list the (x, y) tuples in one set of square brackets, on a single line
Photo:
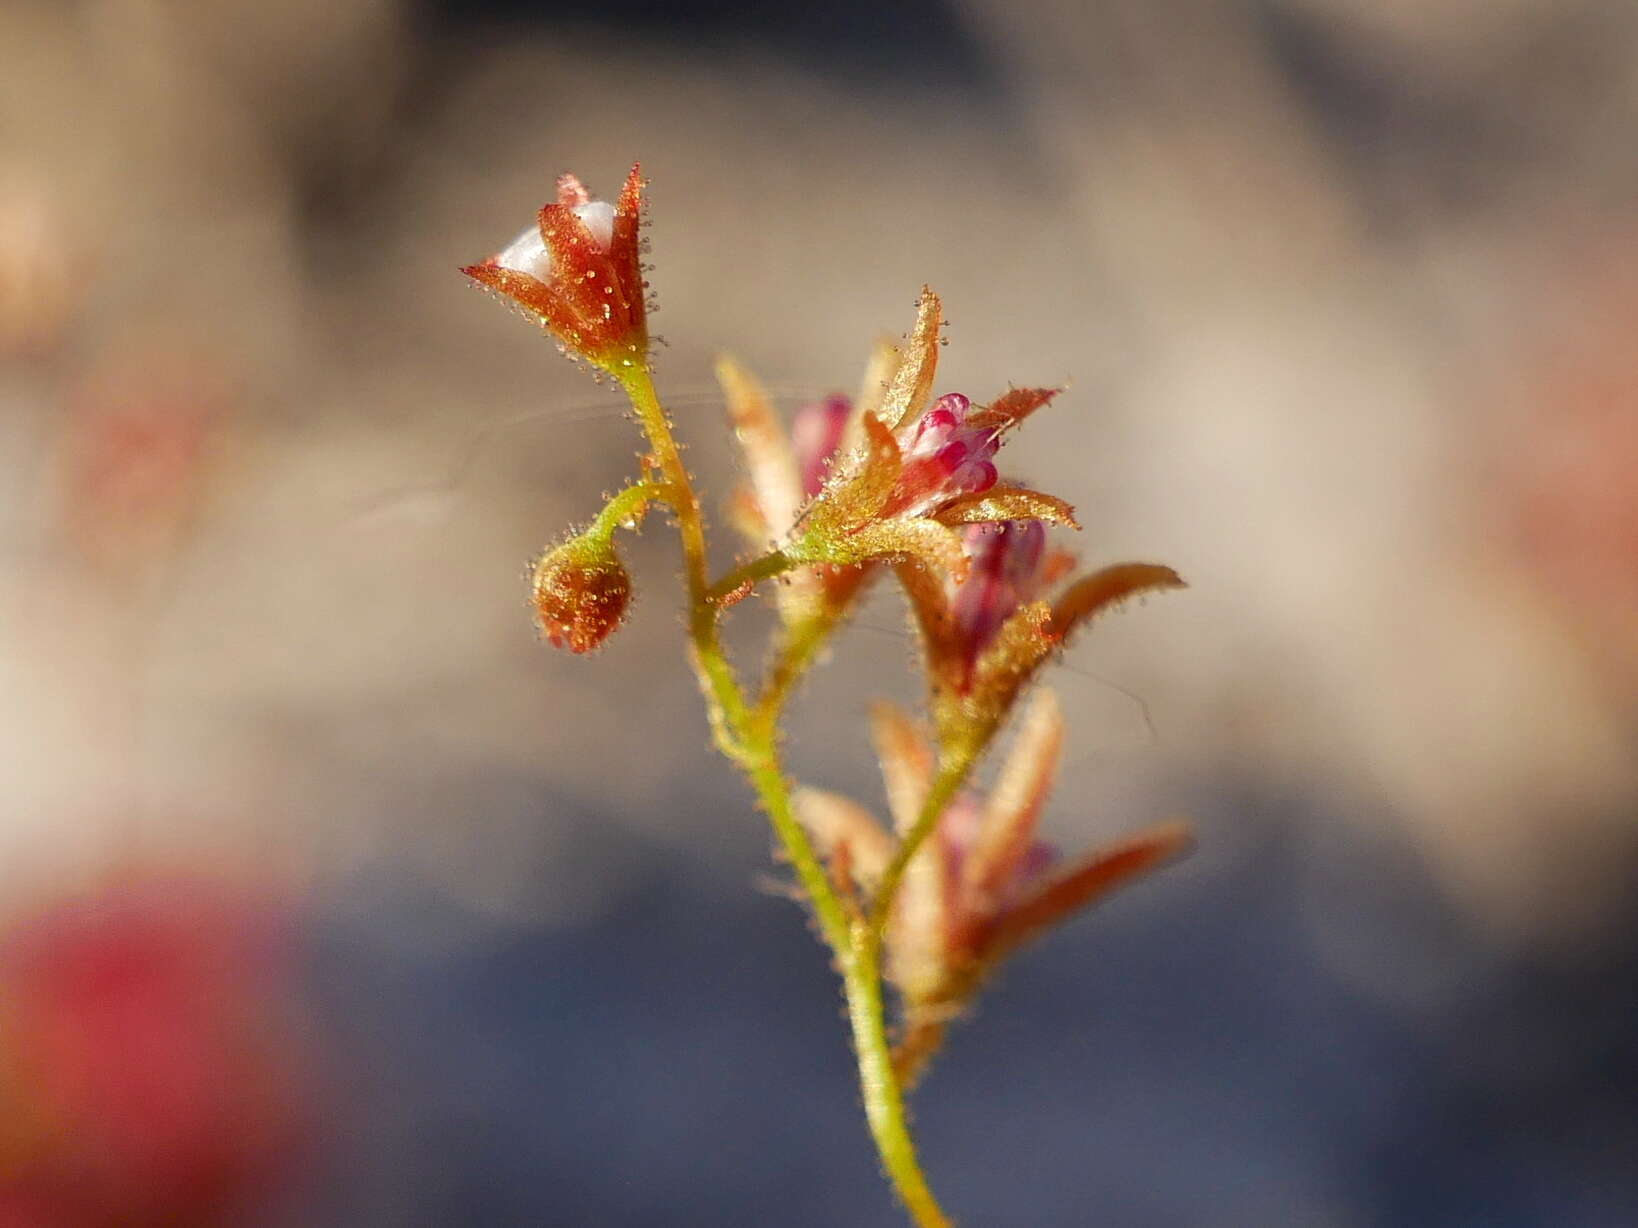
[(902, 485)]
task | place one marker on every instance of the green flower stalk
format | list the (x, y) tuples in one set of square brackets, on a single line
[(896, 482)]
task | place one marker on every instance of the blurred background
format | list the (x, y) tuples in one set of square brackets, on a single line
[(333, 898)]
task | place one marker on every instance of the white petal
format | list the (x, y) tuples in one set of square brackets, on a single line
[(527, 254), (599, 218)]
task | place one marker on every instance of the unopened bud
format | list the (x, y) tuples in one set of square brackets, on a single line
[(578, 272), (581, 591)]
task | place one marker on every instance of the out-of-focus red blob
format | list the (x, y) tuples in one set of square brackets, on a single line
[(150, 1075), (136, 454), (1573, 469)]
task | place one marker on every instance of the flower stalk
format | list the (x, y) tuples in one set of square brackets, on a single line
[(749, 737), (899, 483)]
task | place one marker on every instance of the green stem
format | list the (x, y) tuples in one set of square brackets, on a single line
[(626, 507), (761, 767), (751, 741), (858, 960), (639, 386), (884, 1101), (725, 701)]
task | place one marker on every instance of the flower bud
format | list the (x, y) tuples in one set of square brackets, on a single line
[(816, 439), (1009, 567), (578, 272), (581, 591)]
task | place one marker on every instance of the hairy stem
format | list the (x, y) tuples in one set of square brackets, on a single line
[(750, 739), (884, 1101), (626, 508), (639, 386), (725, 701)]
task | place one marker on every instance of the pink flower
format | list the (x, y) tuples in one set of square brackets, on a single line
[(944, 456), (817, 431), (923, 467), (961, 829), (1008, 566)]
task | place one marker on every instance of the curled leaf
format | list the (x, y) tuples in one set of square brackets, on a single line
[(532, 298), (1013, 656), (856, 494), (1011, 408), (1095, 593), (762, 439), (884, 357), (844, 829), (918, 933), (1084, 882), (744, 512), (1007, 503), (930, 606), (625, 250), (583, 269), (919, 1041), (1014, 807), (906, 759), (918, 936), (911, 385), (917, 943)]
